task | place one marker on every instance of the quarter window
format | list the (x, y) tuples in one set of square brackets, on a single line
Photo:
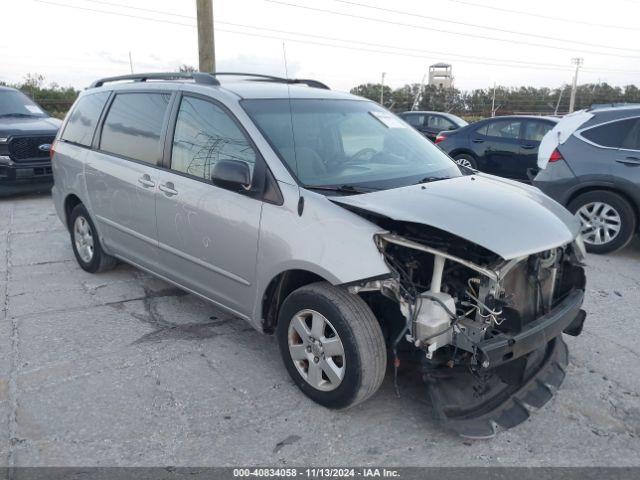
[(204, 135), (133, 127), (83, 119), (501, 129), (612, 134)]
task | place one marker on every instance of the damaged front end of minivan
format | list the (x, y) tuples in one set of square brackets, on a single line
[(488, 329)]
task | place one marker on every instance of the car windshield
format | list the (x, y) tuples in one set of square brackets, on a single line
[(16, 104), (351, 145)]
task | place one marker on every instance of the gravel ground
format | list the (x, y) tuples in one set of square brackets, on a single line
[(123, 369)]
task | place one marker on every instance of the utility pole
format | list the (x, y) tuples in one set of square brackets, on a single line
[(206, 46), (130, 62), (418, 99), (493, 101), (572, 102), (382, 89), (555, 112)]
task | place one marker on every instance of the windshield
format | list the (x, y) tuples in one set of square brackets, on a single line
[(348, 143), (14, 103)]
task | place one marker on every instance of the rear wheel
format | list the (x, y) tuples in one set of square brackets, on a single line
[(332, 345), (608, 220), (466, 160), (86, 244)]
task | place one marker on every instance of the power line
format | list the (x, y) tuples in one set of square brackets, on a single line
[(492, 61), (475, 25), (546, 17), (431, 29)]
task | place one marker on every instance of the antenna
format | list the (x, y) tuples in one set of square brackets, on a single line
[(284, 55), (293, 135)]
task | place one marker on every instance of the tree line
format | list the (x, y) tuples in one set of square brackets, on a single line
[(471, 104), (508, 100)]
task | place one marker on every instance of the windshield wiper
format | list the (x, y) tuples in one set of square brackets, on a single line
[(338, 188), (30, 115), (431, 179)]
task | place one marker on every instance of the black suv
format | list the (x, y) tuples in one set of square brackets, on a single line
[(504, 146), (26, 135)]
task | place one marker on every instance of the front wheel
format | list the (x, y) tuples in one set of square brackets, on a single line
[(465, 160), (332, 345)]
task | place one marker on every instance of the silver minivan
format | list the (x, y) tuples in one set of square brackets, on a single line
[(325, 219)]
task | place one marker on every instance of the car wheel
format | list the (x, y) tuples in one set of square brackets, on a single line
[(608, 220), (86, 244), (465, 160), (332, 345)]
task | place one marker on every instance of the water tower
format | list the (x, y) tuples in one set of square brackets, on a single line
[(441, 75)]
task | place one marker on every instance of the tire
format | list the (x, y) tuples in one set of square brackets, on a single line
[(364, 360), (610, 211), (84, 234), (466, 160)]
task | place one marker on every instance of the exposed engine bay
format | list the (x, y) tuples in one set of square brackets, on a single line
[(481, 323)]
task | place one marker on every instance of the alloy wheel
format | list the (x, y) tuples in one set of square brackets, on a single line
[(601, 223), (316, 350), (463, 162), (83, 238)]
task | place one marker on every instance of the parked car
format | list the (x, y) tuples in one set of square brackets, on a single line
[(430, 124), (26, 134), (594, 170), (504, 146), (323, 218)]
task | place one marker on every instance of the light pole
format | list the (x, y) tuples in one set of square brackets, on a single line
[(382, 89)]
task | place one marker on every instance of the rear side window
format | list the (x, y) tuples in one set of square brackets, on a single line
[(441, 123), (204, 135), (82, 121), (133, 127), (501, 129), (611, 134), (632, 141), (415, 120), (535, 131)]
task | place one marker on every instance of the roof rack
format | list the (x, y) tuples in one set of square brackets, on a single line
[(207, 78), (257, 77), (602, 106), (198, 77)]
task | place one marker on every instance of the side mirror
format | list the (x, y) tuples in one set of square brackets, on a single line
[(231, 174), (453, 127)]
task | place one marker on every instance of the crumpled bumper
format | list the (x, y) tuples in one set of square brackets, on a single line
[(566, 317)]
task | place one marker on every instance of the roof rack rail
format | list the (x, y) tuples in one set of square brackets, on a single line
[(198, 77), (257, 77), (206, 78)]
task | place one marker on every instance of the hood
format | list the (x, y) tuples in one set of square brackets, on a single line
[(506, 217), (28, 126)]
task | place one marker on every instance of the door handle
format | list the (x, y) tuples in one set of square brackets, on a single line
[(528, 147), (146, 181), (477, 140), (629, 160), (168, 189)]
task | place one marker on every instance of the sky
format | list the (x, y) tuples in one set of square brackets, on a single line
[(340, 42)]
